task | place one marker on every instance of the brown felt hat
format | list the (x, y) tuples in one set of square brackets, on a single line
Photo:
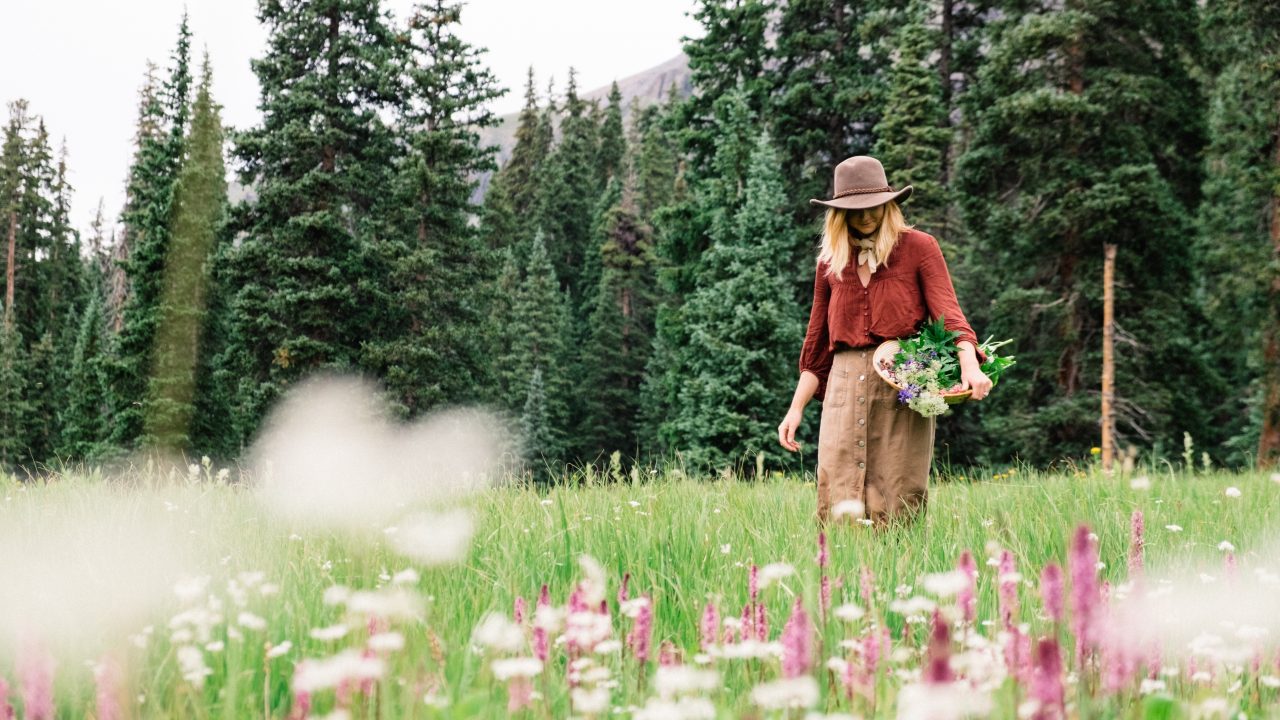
[(861, 183)]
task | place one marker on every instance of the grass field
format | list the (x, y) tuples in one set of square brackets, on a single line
[(219, 622)]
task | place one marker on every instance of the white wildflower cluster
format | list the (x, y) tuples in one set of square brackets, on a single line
[(496, 632), (774, 572), (349, 665), (942, 701), (592, 684), (797, 692)]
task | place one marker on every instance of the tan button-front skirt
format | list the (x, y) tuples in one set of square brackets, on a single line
[(871, 447)]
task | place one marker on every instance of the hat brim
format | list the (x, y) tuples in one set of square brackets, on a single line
[(864, 200)]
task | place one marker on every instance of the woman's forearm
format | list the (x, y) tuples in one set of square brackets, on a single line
[(968, 354), (805, 389)]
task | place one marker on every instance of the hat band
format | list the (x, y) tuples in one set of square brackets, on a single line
[(859, 191)]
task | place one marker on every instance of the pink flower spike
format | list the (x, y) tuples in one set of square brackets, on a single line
[(622, 589), (1085, 596), (797, 642), (748, 621), (35, 674), (822, 549), (1051, 591), (968, 594), (106, 676), (6, 710), (1136, 544), (520, 610), (642, 631), (871, 651), (541, 646), (1046, 681), (301, 701), (1229, 565), (761, 624), (710, 623), (937, 668), (1008, 585), (519, 693), (868, 586), (824, 597), (544, 596), (753, 583)]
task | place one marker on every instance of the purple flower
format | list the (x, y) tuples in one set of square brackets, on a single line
[(1008, 588), (642, 631), (937, 667), (710, 623), (1135, 543), (905, 394), (968, 594), (35, 672), (1046, 681), (1083, 564)]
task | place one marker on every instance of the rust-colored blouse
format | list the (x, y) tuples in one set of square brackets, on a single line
[(912, 287)]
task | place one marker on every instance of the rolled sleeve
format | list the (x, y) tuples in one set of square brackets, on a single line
[(940, 294), (816, 354)]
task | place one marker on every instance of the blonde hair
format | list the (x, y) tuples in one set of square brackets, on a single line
[(836, 248)]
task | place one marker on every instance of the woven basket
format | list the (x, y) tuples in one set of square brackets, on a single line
[(885, 353)]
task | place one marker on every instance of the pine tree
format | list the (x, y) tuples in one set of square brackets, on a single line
[(537, 335), (1238, 247), (306, 272), (742, 327), (537, 435), (620, 327), (512, 196), (613, 144), (160, 140), (568, 193), (912, 134), (198, 209), (84, 424), (731, 54), (14, 407), (1064, 159), (436, 353)]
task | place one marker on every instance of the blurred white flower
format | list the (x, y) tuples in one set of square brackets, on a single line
[(408, 576), (191, 662), (848, 612), (497, 632), (1173, 528), (592, 701), (507, 668), (1226, 546), (773, 572), (854, 508), (336, 594), (390, 603), (946, 584), (435, 538), (673, 680), (1233, 492), (278, 650), (251, 621), (310, 675), (333, 632), (798, 692), (386, 642), (942, 701), (1142, 482), (685, 708), (724, 549)]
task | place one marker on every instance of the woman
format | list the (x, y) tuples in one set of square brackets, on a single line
[(877, 278)]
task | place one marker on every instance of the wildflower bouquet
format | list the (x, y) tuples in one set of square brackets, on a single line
[(924, 366)]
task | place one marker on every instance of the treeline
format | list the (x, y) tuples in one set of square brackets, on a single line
[(638, 278)]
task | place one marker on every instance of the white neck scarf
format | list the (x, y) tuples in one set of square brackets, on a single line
[(867, 253)]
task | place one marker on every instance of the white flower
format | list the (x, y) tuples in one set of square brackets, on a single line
[(191, 661), (387, 604), (593, 585), (724, 549), (1226, 546), (942, 702), (631, 606), (686, 708), (915, 605), (1142, 482), (545, 501), (507, 668), (1233, 492), (408, 576), (549, 618), (251, 621), (946, 584), (1149, 686), (633, 503), (312, 675), (189, 589), (848, 507), (774, 571), (278, 650), (1270, 681), (336, 594), (497, 632), (606, 647), (673, 680), (435, 538), (848, 612), (386, 642), (333, 632), (267, 589), (1173, 528), (215, 646), (1275, 478), (799, 692), (590, 702)]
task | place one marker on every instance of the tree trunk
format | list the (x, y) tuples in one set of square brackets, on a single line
[(1108, 361), (9, 270), (1269, 441)]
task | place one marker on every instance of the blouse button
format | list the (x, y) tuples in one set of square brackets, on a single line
[(862, 421), (862, 443), (861, 400)]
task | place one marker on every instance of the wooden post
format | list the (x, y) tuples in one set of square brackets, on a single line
[(1269, 439), (1108, 361)]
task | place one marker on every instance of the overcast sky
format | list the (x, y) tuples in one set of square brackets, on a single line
[(80, 63)]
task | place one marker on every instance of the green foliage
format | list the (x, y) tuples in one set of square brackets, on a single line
[(84, 425)]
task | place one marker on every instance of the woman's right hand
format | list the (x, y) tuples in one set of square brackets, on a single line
[(787, 430)]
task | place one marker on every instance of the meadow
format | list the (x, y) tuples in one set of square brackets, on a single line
[(277, 618)]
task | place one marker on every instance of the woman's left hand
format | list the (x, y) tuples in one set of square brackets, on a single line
[(973, 377)]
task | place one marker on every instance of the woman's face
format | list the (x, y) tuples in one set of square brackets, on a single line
[(864, 220)]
